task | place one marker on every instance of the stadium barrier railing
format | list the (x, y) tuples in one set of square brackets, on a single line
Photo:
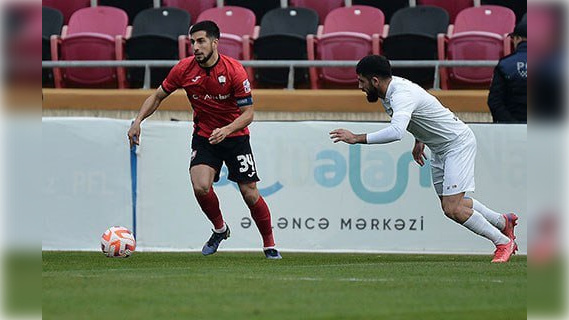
[(290, 64)]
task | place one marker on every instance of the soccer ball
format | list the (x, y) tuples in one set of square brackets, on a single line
[(118, 242)]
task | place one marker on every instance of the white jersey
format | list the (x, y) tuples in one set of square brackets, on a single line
[(430, 122)]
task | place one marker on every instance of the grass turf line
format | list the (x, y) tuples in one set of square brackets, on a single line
[(87, 285)]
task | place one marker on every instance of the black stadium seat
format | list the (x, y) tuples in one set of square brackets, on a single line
[(155, 35), (283, 37), (518, 6), (52, 21), (413, 36)]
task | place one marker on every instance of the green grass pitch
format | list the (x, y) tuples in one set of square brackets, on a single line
[(235, 285)]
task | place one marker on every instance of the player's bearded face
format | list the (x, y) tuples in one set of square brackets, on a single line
[(204, 53), (372, 93), (203, 57), (203, 47)]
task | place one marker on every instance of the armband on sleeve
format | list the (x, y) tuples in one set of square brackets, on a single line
[(247, 101)]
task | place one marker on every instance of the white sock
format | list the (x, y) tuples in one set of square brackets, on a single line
[(222, 230), (479, 225), (496, 219)]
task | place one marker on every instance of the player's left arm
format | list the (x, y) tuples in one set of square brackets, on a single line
[(245, 119)]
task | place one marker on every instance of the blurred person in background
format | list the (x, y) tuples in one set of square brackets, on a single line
[(547, 81), (547, 161), (507, 98)]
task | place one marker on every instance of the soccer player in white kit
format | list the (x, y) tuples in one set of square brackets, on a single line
[(452, 144)]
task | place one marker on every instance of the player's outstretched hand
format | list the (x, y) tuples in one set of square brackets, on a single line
[(343, 135), (218, 135), (419, 153), (134, 134)]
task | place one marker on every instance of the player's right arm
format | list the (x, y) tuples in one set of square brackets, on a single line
[(149, 106)]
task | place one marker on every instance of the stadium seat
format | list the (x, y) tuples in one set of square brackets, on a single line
[(388, 7), (238, 31), (94, 33), (10, 23), (283, 37), (413, 35), (542, 34), (22, 50), (27, 48), (66, 7), (131, 7), (519, 7), (348, 33), (193, 7), (237, 25), (323, 7), (259, 7), (157, 34), (453, 7), (52, 22), (480, 33)]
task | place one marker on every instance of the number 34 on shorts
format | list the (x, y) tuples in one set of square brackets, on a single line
[(247, 164)]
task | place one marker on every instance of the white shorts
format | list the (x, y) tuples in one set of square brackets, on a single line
[(453, 173)]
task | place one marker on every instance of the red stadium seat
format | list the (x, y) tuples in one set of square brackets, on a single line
[(542, 35), (260, 7), (480, 33), (131, 7), (94, 33), (193, 7), (388, 7), (453, 7), (67, 7), (22, 48), (323, 7), (237, 27), (349, 33)]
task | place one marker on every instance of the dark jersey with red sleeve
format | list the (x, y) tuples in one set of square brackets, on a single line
[(216, 93)]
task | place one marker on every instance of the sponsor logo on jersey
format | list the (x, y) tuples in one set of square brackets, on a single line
[(211, 97), (196, 78)]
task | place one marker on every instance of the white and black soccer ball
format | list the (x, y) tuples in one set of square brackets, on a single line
[(118, 242)]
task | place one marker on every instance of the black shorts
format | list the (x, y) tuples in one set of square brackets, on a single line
[(234, 151)]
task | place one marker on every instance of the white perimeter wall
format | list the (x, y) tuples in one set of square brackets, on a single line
[(323, 196)]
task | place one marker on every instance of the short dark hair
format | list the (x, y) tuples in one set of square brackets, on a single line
[(211, 29), (520, 30), (374, 66)]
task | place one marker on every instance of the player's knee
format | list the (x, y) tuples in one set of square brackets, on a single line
[(451, 210), (201, 190), (250, 194), (250, 198)]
